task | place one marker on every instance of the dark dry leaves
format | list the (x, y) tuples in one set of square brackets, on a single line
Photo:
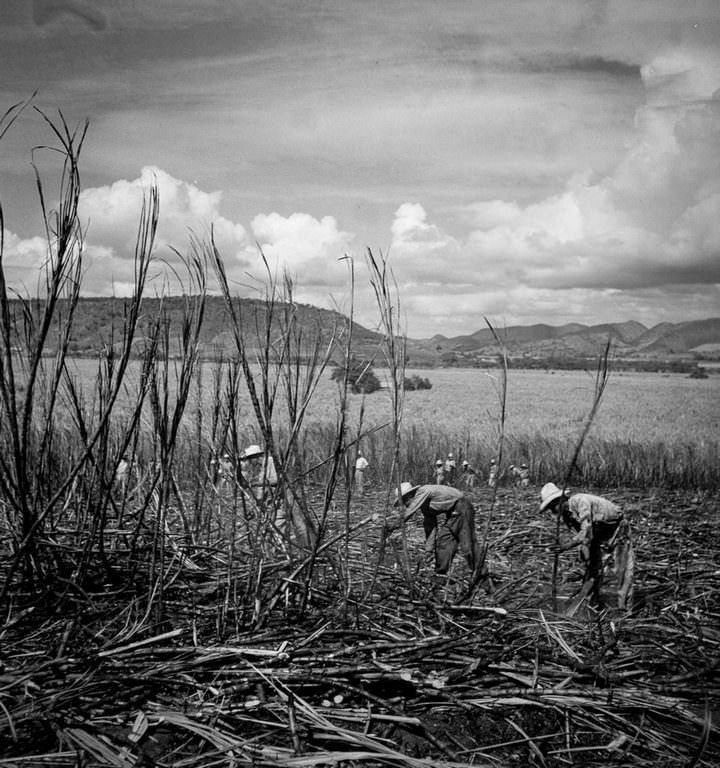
[(400, 676)]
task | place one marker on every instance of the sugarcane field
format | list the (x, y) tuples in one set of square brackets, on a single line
[(227, 550), (162, 606)]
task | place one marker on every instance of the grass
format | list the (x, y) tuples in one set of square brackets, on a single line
[(650, 431)]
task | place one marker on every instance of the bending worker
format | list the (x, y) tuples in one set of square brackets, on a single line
[(599, 526), (448, 522)]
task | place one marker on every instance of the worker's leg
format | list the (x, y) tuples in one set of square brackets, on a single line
[(593, 569), (446, 544), (429, 527), (624, 556), (463, 522)]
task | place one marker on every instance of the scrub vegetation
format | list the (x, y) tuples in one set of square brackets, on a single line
[(160, 617)]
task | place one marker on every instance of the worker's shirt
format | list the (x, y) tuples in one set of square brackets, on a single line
[(433, 500), (260, 475), (587, 509), (268, 474)]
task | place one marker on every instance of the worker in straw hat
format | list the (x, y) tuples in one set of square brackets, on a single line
[(450, 469), (599, 526), (258, 471), (448, 522)]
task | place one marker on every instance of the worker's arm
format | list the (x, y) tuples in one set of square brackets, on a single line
[(417, 501), (401, 516), (582, 513)]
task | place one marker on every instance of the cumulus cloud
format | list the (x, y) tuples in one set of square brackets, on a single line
[(419, 248), (309, 249), (22, 261), (654, 221), (109, 216)]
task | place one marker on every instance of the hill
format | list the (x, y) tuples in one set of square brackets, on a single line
[(528, 345), (98, 323)]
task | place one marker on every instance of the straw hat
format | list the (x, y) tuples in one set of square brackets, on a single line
[(251, 451), (405, 489), (549, 493), (439, 463)]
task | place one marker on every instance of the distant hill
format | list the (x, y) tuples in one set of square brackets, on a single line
[(98, 323), (631, 340), (683, 337)]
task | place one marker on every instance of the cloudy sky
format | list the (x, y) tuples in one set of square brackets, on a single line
[(526, 161)]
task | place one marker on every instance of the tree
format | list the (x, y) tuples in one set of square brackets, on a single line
[(415, 382), (361, 377)]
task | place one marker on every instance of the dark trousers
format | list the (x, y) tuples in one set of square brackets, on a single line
[(615, 538), (452, 531)]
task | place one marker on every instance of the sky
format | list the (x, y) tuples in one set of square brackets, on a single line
[(530, 161)]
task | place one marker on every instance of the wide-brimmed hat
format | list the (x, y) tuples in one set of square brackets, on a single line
[(549, 493), (439, 463), (405, 489), (251, 451)]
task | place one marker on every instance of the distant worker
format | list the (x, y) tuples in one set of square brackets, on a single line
[(448, 522), (450, 469), (224, 471), (492, 474), (468, 476), (524, 476), (599, 526), (361, 465), (258, 471), (519, 476), (122, 475), (439, 472)]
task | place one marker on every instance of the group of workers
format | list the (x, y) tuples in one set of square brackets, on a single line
[(448, 516), (256, 472), (445, 473), (597, 524)]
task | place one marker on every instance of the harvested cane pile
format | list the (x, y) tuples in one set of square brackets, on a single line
[(392, 671)]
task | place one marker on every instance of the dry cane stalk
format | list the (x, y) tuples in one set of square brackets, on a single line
[(480, 566), (601, 378)]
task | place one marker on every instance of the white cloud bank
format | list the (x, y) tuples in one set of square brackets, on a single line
[(310, 250), (599, 248)]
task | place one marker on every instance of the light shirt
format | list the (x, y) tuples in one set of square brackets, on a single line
[(361, 464), (586, 509), (433, 499)]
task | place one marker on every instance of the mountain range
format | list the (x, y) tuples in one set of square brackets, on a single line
[(630, 340), (98, 321)]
